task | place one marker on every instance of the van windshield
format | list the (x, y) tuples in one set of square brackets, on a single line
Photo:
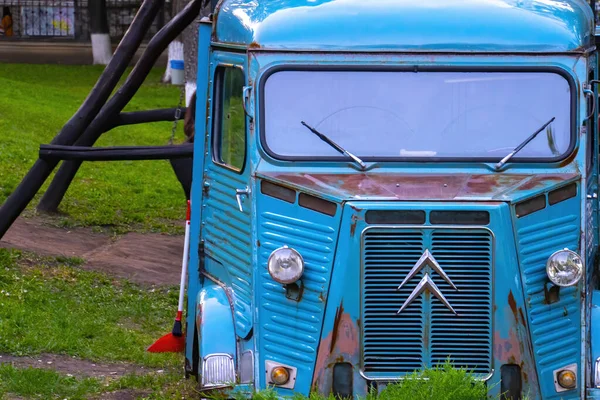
[(403, 115)]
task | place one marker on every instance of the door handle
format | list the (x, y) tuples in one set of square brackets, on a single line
[(238, 195), (246, 101)]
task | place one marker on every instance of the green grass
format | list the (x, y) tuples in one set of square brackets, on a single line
[(440, 383), (37, 100), (40, 383), (47, 305)]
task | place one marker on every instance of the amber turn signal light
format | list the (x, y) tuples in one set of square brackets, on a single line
[(280, 375), (567, 379)]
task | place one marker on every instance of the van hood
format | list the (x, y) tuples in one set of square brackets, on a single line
[(427, 187)]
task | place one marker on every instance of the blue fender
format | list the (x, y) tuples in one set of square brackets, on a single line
[(214, 322)]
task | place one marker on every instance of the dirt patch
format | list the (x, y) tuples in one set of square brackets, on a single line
[(74, 366), (149, 258), (127, 394), (33, 235), (153, 259)]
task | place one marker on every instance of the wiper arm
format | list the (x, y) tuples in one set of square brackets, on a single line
[(336, 146), (525, 143)]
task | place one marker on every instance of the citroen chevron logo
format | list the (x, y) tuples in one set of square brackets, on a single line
[(426, 282)]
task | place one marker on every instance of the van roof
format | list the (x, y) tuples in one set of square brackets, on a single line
[(524, 26)]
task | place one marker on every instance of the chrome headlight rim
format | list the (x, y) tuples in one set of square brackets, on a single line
[(279, 279), (579, 273)]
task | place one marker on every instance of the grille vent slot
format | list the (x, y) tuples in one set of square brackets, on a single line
[(459, 217), (530, 206), (562, 194), (278, 191), (395, 217)]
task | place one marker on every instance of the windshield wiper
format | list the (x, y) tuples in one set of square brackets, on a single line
[(525, 143), (336, 146)]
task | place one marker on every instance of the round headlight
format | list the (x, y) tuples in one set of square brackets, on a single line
[(285, 265), (564, 268)]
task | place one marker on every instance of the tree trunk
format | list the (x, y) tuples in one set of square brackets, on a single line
[(186, 47), (101, 46), (175, 53), (190, 53), (176, 47)]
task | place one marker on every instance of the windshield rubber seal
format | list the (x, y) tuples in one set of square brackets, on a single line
[(420, 68)]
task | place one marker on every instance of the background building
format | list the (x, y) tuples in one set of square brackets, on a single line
[(69, 19)]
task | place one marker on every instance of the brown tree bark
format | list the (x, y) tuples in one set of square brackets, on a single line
[(190, 51)]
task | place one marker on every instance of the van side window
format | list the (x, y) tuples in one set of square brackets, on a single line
[(229, 145)]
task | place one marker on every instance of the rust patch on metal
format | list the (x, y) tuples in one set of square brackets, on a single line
[(539, 181), (322, 297), (340, 345), (418, 186), (513, 346), (355, 208), (523, 322), (254, 45), (336, 326), (257, 243), (513, 305), (353, 225), (569, 159), (507, 350)]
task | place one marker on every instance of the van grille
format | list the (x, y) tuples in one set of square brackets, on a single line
[(426, 333)]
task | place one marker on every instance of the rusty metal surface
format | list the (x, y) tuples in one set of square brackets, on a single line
[(445, 187)]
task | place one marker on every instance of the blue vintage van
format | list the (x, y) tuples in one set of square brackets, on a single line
[(381, 185)]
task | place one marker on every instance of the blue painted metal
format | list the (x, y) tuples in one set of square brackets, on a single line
[(194, 278), (216, 333), (425, 26), (290, 330), (595, 327), (555, 329), (331, 322), (590, 235), (345, 320), (226, 231)]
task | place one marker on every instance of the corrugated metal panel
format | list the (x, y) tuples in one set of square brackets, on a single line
[(554, 327), (228, 239), (426, 333), (291, 329)]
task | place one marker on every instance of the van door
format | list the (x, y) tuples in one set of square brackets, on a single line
[(227, 201), (591, 170)]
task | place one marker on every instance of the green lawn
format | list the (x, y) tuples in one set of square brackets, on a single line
[(48, 305), (36, 101)]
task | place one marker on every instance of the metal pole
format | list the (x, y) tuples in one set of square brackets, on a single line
[(37, 175), (157, 45)]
